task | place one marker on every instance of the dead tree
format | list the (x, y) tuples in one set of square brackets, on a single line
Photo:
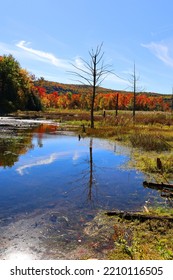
[(172, 101), (133, 81), (133, 85), (134, 92), (116, 106), (92, 73)]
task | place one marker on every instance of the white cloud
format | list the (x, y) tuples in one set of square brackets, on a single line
[(42, 161), (76, 156), (44, 56), (29, 57), (161, 51)]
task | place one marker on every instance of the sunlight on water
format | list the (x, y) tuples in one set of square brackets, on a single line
[(19, 256)]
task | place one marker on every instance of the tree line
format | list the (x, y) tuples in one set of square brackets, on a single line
[(19, 90), (103, 101)]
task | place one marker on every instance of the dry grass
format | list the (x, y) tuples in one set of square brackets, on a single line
[(149, 142), (150, 240)]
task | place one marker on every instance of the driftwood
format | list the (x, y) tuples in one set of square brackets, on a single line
[(167, 194), (157, 186), (139, 216), (166, 189)]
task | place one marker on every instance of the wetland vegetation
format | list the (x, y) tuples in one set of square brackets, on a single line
[(99, 236), (61, 171)]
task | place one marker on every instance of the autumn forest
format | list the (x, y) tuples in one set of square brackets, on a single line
[(20, 90)]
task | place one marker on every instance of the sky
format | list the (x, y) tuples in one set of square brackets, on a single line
[(47, 36)]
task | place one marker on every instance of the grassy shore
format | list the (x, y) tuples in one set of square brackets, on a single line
[(150, 137), (149, 240)]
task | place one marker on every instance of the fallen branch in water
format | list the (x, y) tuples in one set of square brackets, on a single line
[(139, 216), (158, 186)]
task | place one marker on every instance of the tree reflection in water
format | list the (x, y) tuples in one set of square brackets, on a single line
[(91, 169), (18, 142), (12, 147), (89, 175)]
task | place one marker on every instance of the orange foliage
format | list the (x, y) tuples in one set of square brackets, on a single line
[(102, 101)]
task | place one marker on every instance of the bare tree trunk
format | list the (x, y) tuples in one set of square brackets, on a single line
[(134, 93), (94, 90), (116, 106), (172, 102), (93, 73)]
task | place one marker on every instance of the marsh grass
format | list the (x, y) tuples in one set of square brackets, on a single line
[(149, 142), (150, 240), (149, 139), (147, 162)]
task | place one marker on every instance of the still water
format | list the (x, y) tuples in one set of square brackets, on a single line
[(51, 169), (52, 188)]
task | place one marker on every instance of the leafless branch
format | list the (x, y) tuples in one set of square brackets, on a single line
[(93, 73)]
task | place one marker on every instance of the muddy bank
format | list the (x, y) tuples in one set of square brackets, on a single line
[(57, 235), (54, 234)]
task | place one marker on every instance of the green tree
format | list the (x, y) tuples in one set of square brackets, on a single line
[(9, 69), (16, 85)]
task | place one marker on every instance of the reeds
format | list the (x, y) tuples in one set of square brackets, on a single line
[(149, 142)]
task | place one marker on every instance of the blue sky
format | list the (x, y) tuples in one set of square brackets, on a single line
[(45, 36)]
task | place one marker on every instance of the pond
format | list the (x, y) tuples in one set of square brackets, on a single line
[(47, 170)]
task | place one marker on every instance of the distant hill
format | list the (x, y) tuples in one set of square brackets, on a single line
[(76, 88), (61, 89)]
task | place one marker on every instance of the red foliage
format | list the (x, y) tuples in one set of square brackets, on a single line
[(103, 100)]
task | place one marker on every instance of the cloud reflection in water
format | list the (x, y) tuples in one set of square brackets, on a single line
[(41, 161)]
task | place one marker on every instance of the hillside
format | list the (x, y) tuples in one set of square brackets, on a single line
[(61, 88)]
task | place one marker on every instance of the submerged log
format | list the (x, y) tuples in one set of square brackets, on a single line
[(158, 186), (167, 195), (139, 216)]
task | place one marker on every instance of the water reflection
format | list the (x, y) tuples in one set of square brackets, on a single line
[(89, 173), (11, 148), (41, 161), (91, 169), (41, 130), (55, 185), (50, 168), (18, 142)]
